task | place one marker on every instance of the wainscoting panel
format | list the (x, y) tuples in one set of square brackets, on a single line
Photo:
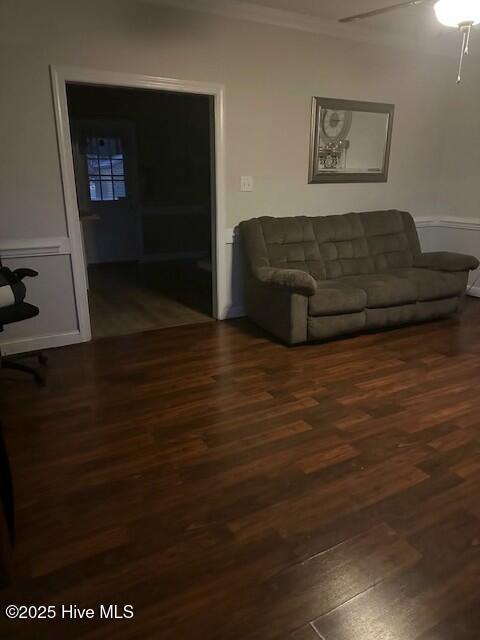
[(52, 291)]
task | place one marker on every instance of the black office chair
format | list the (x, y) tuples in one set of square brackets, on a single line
[(16, 312)]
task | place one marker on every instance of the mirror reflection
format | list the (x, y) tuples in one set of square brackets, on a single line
[(351, 141)]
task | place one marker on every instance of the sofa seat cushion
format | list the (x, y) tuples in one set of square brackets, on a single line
[(432, 285), (333, 297), (384, 289)]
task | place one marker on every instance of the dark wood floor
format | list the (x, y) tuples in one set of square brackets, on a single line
[(231, 488)]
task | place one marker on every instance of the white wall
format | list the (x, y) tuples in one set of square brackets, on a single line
[(457, 196), (458, 193), (270, 74)]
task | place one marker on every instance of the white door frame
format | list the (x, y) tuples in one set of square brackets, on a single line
[(60, 76)]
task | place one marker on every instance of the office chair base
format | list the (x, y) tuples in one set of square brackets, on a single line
[(15, 365)]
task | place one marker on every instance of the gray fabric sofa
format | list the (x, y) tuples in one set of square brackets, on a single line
[(314, 278)]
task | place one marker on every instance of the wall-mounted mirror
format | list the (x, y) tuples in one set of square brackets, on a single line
[(350, 141)]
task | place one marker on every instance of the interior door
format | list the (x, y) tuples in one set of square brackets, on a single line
[(107, 191)]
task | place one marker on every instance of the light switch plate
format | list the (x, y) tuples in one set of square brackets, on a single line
[(246, 183)]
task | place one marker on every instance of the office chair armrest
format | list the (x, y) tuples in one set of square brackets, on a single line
[(25, 273)]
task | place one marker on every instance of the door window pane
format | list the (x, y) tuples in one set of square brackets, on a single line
[(105, 166), (117, 165), (93, 168), (107, 190), (119, 189), (106, 169), (95, 189)]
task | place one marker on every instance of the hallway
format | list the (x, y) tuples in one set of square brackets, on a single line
[(130, 298)]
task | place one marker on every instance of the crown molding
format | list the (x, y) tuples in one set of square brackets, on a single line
[(303, 22)]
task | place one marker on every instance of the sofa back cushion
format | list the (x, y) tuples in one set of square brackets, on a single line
[(392, 238), (342, 244), (291, 244), (329, 247)]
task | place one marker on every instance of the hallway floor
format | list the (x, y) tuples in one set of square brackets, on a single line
[(127, 297)]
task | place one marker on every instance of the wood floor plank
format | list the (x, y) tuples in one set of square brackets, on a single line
[(231, 488), (305, 633), (389, 611)]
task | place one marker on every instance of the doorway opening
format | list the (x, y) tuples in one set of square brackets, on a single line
[(145, 185)]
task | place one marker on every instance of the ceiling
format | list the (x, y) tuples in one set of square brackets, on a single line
[(409, 19), (410, 27), (328, 9)]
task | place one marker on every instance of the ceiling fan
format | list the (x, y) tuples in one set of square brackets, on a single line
[(461, 14)]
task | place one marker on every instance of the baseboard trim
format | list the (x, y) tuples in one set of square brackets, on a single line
[(37, 343)]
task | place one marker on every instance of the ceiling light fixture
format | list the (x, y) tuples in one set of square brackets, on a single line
[(463, 15)]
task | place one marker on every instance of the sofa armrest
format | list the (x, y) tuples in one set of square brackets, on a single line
[(279, 310), (293, 280), (446, 261)]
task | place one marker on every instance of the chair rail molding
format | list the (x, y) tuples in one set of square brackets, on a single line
[(30, 247), (448, 223)]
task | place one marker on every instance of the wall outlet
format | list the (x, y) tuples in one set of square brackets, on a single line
[(246, 183)]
